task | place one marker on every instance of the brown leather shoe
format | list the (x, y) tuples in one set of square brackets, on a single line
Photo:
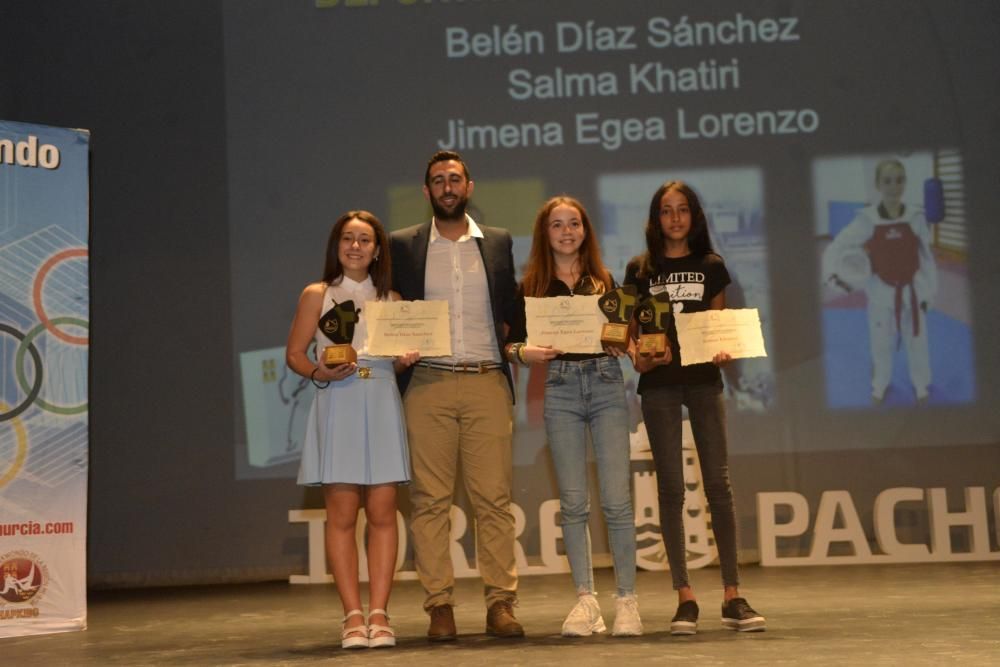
[(500, 621), (442, 627)]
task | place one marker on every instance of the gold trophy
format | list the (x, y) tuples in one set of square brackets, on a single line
[(618, 306), (337, 324), (654, 316)]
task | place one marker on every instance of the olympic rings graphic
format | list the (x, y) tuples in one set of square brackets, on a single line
[(22, 448), (35, 357), (19, 365), (36, 294)]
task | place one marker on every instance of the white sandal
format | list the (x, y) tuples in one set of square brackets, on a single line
[(385, 640), (354, 637)]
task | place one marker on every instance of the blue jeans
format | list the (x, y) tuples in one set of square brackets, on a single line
[(661, 410), (581, 395)]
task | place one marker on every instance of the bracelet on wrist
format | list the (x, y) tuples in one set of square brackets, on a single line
[(312, 377), (509, 351), (520, 354), (513, 352)]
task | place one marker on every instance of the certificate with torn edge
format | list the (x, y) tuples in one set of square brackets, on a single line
[(703, 335), (566, 323), (397, 327)]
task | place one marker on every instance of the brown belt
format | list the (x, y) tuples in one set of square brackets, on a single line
[(478, 367)]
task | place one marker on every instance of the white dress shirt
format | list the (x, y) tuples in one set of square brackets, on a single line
[(455, 273)]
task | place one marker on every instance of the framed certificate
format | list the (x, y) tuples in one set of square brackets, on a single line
[(565, 323), (703, 335), (397, 327)]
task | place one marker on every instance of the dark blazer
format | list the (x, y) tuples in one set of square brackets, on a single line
[(409, 261)]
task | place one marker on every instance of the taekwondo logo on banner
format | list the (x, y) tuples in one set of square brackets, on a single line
[(44, 346)]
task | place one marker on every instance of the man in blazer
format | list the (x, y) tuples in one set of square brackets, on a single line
[(460, 408)]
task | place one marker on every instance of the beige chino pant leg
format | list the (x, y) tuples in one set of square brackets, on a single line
[(432, 430), (485, 449), (452, 415)]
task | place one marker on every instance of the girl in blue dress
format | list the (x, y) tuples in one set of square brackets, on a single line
[(355, 444)]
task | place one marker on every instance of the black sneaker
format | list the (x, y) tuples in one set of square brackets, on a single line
[(685, 621), (737, 614)]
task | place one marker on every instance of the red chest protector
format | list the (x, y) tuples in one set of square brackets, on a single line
[(894, 252)]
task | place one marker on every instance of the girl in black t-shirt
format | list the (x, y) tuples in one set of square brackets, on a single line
[(680, 262)]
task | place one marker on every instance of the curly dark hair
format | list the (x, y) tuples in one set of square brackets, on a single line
[(444, 156)]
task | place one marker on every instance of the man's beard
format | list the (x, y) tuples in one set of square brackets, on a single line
[(458, 213)]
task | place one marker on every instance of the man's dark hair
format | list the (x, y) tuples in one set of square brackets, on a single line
[(444, 156)]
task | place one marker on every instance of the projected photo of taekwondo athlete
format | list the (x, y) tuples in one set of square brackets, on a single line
[(895, 296)]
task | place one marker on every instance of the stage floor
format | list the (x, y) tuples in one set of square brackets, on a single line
[(871, 615)]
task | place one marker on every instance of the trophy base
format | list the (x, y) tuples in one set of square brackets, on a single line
[(336, 355), (614, 334), (653, 344)]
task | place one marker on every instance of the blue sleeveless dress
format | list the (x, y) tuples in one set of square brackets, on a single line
[(355, 433)]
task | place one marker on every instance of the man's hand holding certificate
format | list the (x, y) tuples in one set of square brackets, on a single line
[(398, 327), (734, 331), (565, 323)]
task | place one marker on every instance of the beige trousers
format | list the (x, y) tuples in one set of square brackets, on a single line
[(453, 417)]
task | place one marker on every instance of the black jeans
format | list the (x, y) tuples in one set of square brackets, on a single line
[(661, 410)]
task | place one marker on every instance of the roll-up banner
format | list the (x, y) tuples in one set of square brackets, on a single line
[(44, 345)]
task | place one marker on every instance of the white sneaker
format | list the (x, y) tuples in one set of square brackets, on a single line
[(627, 622), (584, 619)]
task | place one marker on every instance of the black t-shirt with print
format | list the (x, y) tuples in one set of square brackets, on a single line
[(691, 282)]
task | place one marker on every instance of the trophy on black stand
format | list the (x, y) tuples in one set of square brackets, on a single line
[(618, 306), (337, 324), (654, 316)]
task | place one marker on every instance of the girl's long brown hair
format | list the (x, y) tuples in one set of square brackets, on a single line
[(380, 269), (698, 239), (540, 269)]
